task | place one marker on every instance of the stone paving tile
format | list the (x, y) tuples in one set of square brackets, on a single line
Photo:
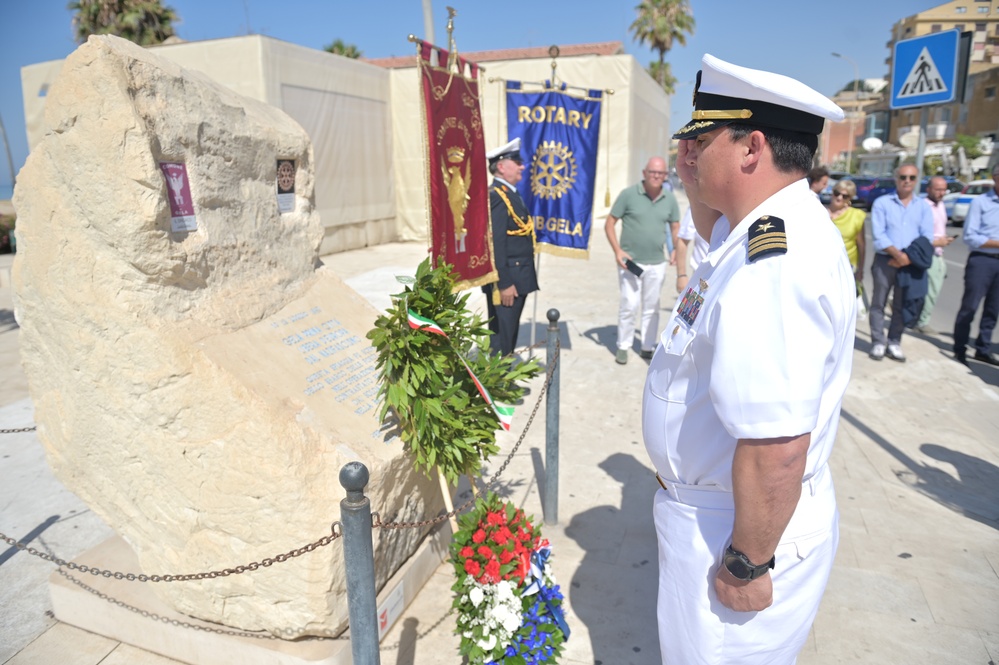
[(845, 636)]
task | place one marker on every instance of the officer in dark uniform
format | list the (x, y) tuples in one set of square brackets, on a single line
[(513, 248)]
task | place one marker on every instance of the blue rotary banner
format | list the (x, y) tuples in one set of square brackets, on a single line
[(558, 133)]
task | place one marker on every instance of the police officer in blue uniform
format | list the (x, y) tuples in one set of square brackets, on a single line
[(513, 248)]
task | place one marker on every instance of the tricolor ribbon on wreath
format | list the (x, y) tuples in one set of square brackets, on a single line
[(534, 583), (503, 411)]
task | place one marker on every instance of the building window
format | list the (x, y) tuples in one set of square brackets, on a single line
[(979, 27), (935, 27), (961, 10), (990, 92), (983, 10)]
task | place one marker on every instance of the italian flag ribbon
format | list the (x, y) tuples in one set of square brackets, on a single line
[(503, 411)]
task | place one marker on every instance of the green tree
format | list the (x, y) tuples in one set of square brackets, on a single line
[(971, 146), (145, 22), (860, 85), (659, 25), (340, 47), (664, 78)]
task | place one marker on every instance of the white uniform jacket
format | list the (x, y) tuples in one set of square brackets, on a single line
[(762, 349)]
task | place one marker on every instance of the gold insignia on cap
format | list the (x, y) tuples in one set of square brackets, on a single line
[(767, 238), (734, 114), (694, 126)]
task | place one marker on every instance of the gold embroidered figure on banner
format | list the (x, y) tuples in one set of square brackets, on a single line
[(457, 185)]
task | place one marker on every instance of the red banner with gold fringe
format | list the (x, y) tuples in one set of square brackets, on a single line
[(457, 178)]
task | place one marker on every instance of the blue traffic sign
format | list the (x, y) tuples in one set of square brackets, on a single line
[(924, 70)]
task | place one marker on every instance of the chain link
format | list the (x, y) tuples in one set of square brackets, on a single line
[(18, 430)]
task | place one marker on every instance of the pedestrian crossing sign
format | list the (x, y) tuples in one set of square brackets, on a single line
[(924, 70)]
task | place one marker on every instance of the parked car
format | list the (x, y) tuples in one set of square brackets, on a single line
[(864, 185), (957, 203), (886, 185)]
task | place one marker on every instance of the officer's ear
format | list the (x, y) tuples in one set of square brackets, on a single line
[(753, 147)]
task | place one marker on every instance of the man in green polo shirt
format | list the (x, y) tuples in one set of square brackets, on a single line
[(650, 221)]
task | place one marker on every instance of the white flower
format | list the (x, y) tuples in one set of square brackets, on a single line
[(512, 621), (489, 644), (476, 595)]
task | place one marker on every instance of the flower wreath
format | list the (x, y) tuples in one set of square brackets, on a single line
[(509, 607)]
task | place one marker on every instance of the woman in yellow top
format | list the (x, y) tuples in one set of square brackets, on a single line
[(850, 222)]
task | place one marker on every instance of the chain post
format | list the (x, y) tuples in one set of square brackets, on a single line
[(359, 564), (549, 503)]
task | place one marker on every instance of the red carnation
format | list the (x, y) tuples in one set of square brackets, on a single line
[(485, 552), (495, 519), (467, 552), (501, 536), (472, 567), (493, 570), (479, 536), (506, 556)]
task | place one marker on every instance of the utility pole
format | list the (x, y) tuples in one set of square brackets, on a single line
[(856, 99), (428, 21)]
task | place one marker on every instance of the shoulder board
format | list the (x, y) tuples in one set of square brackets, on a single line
[(766, 237)]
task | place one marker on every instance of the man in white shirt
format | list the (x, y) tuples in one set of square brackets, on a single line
[(743, 395)]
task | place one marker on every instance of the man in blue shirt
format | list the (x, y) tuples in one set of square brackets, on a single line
[(896, 220), (981, 275)]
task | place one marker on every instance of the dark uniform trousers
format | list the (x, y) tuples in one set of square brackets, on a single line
[(981, 280), (514, 255)]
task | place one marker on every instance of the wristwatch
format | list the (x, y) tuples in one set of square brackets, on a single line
[(742, 568)]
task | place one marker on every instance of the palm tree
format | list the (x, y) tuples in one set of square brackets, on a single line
[(660, 23), (340, 47), (145, 22), (662, 73)]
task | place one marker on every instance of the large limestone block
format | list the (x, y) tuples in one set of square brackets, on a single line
[(199, 389)]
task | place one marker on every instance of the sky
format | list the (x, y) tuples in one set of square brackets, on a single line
[(791, 37)]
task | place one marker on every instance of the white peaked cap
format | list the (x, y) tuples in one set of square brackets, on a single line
[(728, 93), (511, 149)]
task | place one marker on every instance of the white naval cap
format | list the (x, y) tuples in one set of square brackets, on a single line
[(508, 151), (727, 93)]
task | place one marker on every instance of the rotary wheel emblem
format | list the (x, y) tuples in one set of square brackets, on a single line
[(553, 170)]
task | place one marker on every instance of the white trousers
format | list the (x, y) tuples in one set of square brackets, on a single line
[(694, 627), (644, 291)]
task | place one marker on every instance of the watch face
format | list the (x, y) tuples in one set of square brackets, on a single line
[(738, 567)]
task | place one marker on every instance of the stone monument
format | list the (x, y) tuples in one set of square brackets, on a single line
[(198, 377)]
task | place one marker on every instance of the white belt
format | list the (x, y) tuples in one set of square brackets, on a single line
[(711, 496)]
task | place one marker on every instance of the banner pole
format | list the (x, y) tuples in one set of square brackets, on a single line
[(534, 314)]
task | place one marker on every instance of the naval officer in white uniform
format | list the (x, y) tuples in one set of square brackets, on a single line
[(743, 395)]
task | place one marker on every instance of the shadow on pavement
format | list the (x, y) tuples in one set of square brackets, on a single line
[(605, 336), (613, 591), (972, 493)]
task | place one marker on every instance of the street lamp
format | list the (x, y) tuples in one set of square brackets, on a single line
[(856, 81)]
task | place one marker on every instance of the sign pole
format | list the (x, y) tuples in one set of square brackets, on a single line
[(921, 150)]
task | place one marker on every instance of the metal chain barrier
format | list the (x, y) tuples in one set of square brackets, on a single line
[(335, 533), (133, 577)]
